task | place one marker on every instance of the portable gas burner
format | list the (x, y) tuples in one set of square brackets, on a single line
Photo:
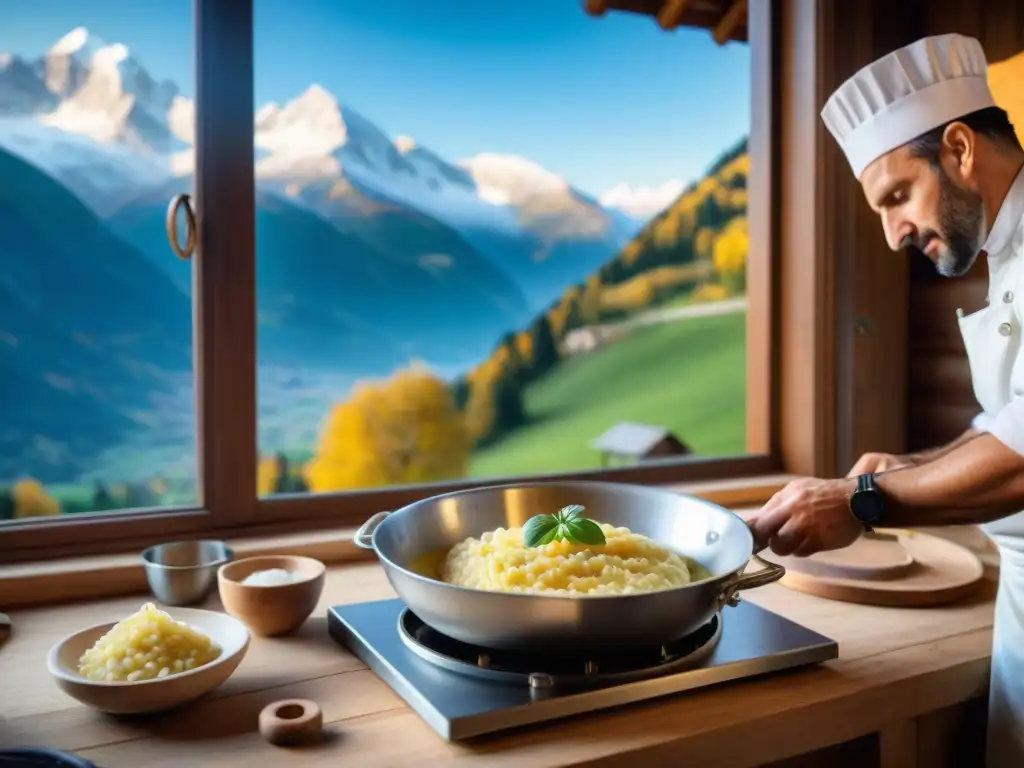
[(462, 690)]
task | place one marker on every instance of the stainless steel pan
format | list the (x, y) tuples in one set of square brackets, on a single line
[(716, 538)]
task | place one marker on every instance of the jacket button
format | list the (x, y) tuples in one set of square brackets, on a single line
[(1005, 329), (1008, 297)]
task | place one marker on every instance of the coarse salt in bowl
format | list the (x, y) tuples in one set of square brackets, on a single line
[(272, 577), (272, 594)]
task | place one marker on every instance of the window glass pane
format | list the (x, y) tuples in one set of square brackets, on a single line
[(95, 315), (494, 240)]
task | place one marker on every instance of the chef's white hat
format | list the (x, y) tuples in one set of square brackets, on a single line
[(905, 94)]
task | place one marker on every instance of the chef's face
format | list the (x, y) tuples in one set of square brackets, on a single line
[(934, 210)]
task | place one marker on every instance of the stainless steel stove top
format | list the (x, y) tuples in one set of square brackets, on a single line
[(463, 691)]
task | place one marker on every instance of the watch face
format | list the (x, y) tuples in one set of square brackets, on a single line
[(867, 506)]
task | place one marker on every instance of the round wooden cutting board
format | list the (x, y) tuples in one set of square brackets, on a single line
[(888, 567)]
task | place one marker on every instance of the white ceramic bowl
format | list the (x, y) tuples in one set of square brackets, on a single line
[(150, 695)]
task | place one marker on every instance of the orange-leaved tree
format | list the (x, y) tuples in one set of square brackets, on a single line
[(31, 500), (730, 255), (405, 429)]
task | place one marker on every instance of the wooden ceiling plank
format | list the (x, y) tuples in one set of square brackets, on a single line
[(727, 26), (671, 13)]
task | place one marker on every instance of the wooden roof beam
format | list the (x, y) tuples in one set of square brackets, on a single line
[(595, 7), (724, 29), (671, 13)]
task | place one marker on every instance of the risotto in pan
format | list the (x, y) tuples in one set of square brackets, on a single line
[(622, 563)]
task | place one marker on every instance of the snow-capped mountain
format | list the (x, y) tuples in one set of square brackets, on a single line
[(85, 87), (104, 176), (641, 202), (545, 201), (22, 91), (315, 138), (90, 115)]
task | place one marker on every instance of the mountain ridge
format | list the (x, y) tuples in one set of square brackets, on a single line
[(89, 330), (84, 85)]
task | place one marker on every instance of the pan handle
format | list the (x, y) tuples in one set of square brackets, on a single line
[(770, 572), (363, 537)]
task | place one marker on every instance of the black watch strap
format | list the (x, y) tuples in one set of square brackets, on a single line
[(867, 503)]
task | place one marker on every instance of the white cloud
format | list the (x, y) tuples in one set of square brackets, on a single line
[(642, 201)]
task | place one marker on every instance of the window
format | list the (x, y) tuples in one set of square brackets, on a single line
[(95, 315), (495, 242), (462, 244)]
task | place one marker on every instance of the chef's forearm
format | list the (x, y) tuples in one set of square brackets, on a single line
[(979, 481), (931, 454)]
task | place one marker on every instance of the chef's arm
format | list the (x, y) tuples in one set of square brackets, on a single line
[(931, 454), (980, 480)]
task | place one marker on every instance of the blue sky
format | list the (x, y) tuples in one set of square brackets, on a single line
[(598, 101)]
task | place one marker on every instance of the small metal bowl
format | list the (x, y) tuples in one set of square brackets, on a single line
[(184, 572)]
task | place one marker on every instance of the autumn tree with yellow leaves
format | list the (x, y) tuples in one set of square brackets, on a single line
[(30, 499), (405, 429), (730, 255)]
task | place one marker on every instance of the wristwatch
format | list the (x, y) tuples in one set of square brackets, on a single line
[(868, 502)]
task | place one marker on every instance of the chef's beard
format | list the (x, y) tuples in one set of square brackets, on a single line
[(962, 220)]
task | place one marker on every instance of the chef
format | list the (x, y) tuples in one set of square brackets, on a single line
[(940, 164)]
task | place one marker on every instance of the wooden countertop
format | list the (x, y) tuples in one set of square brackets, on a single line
[(894, 664)]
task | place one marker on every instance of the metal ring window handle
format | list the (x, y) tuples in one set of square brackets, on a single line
[(183, 202)]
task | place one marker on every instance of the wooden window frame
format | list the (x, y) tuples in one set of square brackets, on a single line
[(223, 297), (790, 317)]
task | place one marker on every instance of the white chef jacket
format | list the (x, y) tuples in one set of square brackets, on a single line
[(993, 337)]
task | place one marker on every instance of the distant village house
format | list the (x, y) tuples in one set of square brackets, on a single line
[(631, 443), (580, 340)]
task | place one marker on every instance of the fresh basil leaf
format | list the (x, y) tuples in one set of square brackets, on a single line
[(552, 535), (539, 530), (565, 525), (569, 513), (584, 531)]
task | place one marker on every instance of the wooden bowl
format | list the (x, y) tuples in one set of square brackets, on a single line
[(150, 695), (271, 610)]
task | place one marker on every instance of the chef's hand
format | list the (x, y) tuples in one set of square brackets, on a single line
[(874, 463), (807, 516)]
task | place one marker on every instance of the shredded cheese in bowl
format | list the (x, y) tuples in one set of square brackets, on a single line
[(147, 645), (627, 563)]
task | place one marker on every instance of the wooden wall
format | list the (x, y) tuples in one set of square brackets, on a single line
[(871, 281), (940, 401)]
